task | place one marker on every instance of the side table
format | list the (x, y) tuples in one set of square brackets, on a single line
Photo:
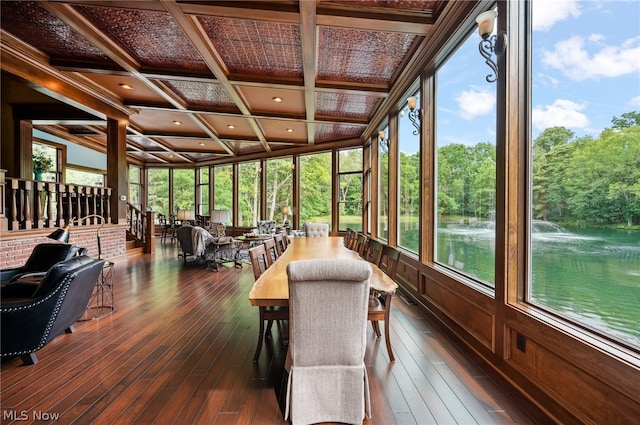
[(101, 301)]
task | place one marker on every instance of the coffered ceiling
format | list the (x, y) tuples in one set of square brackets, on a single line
[(203, 80)]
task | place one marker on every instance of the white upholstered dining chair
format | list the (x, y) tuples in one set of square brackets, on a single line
[(327, 380), (315, 230)]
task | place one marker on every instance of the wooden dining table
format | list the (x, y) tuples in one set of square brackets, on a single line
[(271, 289)]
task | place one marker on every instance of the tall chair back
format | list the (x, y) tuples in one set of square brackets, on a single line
[(258, 256), (285, 239), (350, 238), (361, 243), (373, 252), (389, 261), (327, 379), (315, 230), (272, 252), (280, 247)]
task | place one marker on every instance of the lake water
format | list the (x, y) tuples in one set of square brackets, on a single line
[(592, 276)]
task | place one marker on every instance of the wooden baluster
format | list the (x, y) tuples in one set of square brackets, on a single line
[(38, 188), (85, 194), (13, 211), (60, 212), (49, 199), (108, 204), (26, 205), (4, 222), (94, 197), (78, 204), (69, 206)]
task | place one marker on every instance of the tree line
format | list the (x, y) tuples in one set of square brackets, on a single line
[(576, 180)]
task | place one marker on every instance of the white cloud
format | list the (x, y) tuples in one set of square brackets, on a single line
[(547, 12), (562, 113), (474, 103), (572, 58), (635, 102)]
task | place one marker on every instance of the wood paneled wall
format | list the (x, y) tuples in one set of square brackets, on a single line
[(573, 380)]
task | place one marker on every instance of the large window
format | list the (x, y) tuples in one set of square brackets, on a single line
[(279, 187), (135, 186), (585, 164), (158, 190), (408, 182), (466, 165), (315, 188), (249, 190), (350, 189), (203, 191), (223, 187), (184, 185), (383, 185)]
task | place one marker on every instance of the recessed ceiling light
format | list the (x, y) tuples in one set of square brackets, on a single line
[(289, 130), (201, 144), (277, 99), (126, 86), (231, 126), (177, 122)]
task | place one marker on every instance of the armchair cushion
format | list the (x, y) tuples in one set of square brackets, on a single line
[(42, 257)]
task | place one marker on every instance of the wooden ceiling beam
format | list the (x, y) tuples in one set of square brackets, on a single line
[(309, 44), (279, 117), (195, 33), (163, 145)]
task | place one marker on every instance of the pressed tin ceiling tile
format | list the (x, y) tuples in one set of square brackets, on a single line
[(359, 55), (152, 37), (336, 131), (202, 94), (347, 105), (255, 47), (396, 4), (38, 27)]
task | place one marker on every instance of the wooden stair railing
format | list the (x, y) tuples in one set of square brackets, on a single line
[(141, 227)]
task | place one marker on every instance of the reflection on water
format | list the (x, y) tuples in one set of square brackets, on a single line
[(592, 276)]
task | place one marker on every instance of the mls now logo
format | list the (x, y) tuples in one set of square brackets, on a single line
[(23, 415)]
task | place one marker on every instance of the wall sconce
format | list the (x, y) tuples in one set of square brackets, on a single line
[(414, 115), (490, 44), (384, 142)]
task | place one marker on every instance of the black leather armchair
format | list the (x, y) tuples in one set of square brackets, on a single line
[(30, 318), (42, 257)]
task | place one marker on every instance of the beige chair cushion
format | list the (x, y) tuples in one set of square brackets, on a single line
[(314, 230)]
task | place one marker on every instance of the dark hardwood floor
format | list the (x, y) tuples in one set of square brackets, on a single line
[(178, 350)]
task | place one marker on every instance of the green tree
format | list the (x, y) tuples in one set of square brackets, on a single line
[(249, 183), (628, 119), (315, 186), (279, 186), (550, 158), (223, 187)]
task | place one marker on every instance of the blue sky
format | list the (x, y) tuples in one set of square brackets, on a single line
[(585, 71)]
